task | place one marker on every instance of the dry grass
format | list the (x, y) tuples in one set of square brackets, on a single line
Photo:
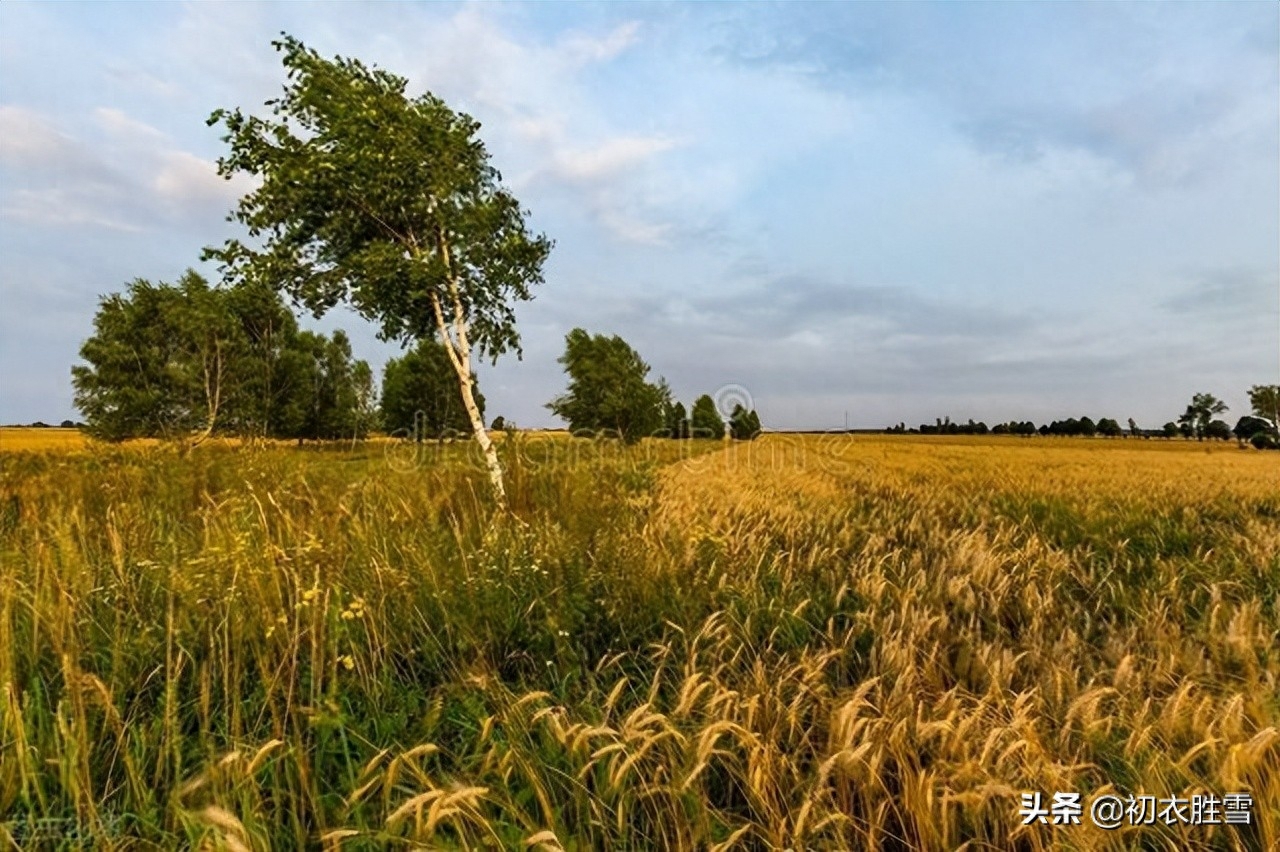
[(805, 642), (27, 439)]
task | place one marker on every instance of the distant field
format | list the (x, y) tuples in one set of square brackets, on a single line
[(808, 642), (14, 438)]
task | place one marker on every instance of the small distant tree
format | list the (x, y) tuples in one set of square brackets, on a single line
[(1109, 428), (744, 425), (1219, 430), (1265, 401), (1134, 431), (499, 424), (677, 420), (705, 420), (1199, 414), (608, 390)]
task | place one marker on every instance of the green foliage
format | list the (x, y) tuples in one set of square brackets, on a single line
[(382, 200), (1247, 427), (420, 394), (744, 425), (1109, 428), (1219, 430), (1265, 401), (705, 419), (676, 420), (1195, 421), (608, 391), (159, 361), (177, 360)]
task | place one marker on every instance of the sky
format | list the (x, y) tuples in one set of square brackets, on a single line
[(840, 213)]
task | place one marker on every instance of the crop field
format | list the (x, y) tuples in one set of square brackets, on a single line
[(803, 642)]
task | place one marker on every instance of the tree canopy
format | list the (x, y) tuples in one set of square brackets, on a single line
[(705, 418), (608, 390), (1196, 419), (186, 360)]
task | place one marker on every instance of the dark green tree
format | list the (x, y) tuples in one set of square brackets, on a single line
[(608, 391), (676, 420), (1219, 430), (420, 395), (1247, 427), (705, 420), (1109, 428), (744, 425), (388, 203), (1171, 430)]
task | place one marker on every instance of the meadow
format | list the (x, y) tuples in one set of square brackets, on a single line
[(804, 642)]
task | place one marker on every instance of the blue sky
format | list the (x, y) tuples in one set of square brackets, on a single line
[(899, 211)]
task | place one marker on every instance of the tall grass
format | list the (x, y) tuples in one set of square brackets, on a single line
[(825, 642)]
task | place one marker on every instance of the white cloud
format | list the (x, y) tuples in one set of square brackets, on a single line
[(609, 159), (584, 48), (131, 177), (183, 178), (29, 140), (62, 208), (121, 126)]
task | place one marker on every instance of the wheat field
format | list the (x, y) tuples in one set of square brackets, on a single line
[(803, 642)]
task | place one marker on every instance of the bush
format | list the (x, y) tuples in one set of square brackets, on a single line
[(1265, 441)]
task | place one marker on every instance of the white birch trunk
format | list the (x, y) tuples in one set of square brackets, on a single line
[(459, 349)]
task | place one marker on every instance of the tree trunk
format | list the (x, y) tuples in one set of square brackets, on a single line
[(459, 351), (482, 437)]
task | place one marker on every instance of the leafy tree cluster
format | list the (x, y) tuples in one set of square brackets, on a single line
[(1071, 427), (944, 426), (744, 424), (609, 392), (1014, 427), (1198, 420), (421, 398), (705, 420), (187, 360)]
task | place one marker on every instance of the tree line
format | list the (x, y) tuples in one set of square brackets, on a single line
[(1261, 427), (187, 360)]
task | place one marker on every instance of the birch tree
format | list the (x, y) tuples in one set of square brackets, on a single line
[(385, 202)]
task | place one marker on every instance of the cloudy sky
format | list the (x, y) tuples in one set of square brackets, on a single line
[(898, 211)]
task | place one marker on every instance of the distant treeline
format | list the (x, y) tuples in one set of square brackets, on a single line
[(1198, 421)]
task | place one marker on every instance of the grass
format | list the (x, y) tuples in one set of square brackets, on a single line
[(804, 642)]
